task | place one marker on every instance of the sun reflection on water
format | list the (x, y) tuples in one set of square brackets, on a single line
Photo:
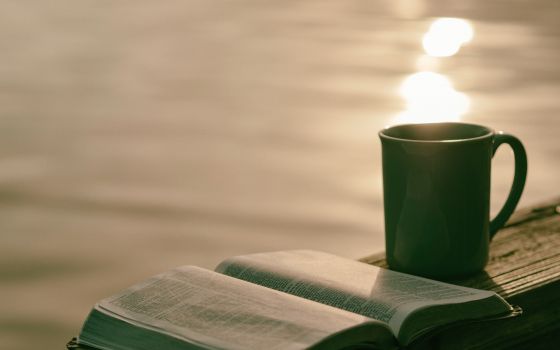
[(431, 97), (446, 36)]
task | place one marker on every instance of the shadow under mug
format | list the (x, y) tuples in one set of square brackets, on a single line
[(436, 192)]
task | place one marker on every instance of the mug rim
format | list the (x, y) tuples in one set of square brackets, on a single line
[(489, 133)]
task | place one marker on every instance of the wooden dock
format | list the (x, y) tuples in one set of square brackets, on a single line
[(524, 268)]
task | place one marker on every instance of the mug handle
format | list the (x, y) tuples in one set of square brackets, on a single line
[(518, 179)]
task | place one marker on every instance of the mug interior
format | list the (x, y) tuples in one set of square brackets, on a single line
[(436, 132)]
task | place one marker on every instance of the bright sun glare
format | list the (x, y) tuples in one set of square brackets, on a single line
[(446, 36), (430, 97)]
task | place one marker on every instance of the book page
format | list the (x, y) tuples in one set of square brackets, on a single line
[(367, 290), (212, 309)]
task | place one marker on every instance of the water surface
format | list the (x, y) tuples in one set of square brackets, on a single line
[(138, 136)]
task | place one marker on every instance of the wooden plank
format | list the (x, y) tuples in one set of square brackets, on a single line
[(524, 268), (524, 255)]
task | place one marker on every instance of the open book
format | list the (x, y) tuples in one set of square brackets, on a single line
[(283, 300)]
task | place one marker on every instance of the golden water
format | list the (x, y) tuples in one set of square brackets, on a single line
[(138, 136)]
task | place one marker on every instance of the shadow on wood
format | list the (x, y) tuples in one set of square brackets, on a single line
[(524, 268)]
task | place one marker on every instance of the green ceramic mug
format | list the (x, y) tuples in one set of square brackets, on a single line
[(436, 189)]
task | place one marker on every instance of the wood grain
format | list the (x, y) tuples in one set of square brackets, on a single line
[(524, 268)]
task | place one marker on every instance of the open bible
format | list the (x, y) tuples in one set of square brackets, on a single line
[(283, 300)]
